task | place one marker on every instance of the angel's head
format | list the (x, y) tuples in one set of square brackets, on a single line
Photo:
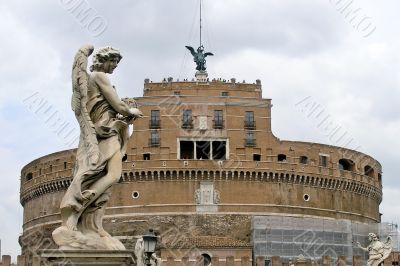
[(105, 60), (372, 236)]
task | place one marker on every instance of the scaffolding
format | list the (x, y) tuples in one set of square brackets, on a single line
[(311, 237)]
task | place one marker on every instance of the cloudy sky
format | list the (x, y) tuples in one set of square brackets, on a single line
[(341, 55)]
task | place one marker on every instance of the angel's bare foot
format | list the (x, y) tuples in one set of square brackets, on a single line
[(103, 233), (88, 194)]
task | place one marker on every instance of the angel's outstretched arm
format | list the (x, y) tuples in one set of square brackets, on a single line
[(111, 95), (359, 245)]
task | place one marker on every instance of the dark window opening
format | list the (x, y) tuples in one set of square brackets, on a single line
[(225, 93), (155, 121), (281, 158), (187, 150), (369, 171), (256, 157), (40, 171), (303, 160), (125, 158), (65, 165), (249, 122), (202, 150), (154, 139), (379, 178), (51, 168), (250, 141), (306, 197), (146, 156), (177, 93), (346, 164), (187, 120), (219, 150), (218, 119), (323, 160), (29, 176), (207, 259), (205, 150)]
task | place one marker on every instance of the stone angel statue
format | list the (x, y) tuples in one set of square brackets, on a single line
[(378, 251), (104, 121), (199, 57)]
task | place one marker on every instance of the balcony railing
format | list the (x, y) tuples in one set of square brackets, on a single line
[(154, 142), (250, 142), (218, 124), (187, 123), (155, 124), (250, 124)]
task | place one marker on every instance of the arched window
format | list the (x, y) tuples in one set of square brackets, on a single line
[(281, 158), (346, 164), (369, 171), (29, 176), (303, 160), (207, 259)]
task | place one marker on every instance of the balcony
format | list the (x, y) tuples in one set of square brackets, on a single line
[(218, 124), (187, 123), (250, 124), (155, 123), (250, 142), (154, 142)]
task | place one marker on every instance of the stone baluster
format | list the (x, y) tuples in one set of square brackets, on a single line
[(6, 260)]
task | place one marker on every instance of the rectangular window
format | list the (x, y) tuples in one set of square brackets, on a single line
[(155, 121), (187, 150), (146, 156), (225, 94), (187, 121), (202, 150), (219, 150), (218, 119), (250, 141), (249, 122), (177, 93), (155, 139), (256, 157), (323, 160)]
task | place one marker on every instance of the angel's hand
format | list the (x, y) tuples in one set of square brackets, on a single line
[(358, 244), (136, 113)]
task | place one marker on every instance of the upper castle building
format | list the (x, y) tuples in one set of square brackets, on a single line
[(204, 169)]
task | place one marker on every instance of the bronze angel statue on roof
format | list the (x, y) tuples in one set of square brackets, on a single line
[(199, 57), (104, 120)]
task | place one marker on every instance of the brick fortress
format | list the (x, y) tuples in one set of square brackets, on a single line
[(204, 169)]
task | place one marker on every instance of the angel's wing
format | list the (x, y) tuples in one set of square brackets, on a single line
[(79, 99), (387, 248), (208, 53), (191, 50)]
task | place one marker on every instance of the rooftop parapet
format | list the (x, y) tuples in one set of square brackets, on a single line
[(221, 87)]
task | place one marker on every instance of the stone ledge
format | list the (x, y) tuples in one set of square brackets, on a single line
[(55, 257)]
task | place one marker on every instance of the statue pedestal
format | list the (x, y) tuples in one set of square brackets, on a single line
[(55, 257), (201, 76)]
